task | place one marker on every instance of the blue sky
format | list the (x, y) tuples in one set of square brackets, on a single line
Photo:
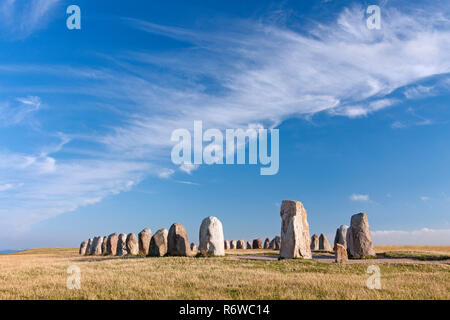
[(86, 117)]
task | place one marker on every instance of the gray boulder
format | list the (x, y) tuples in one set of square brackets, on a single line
[(359, 239), (158, 244), (178, 241)]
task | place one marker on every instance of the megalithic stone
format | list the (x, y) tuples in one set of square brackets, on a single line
[(295, 238), (111, 244), (341, 236), (211, 237), (359, 239)]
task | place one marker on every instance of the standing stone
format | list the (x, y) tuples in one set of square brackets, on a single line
[(341, 236), (295, 238), (88, 247), (272, 244), (122, 245), (96, 248), (193, 248), (359, 239), (83, 247), (266, 243), (233, 244), (178, 241), (314, 242), (104, 245), (249, 245), (211, 237), (240, 244), (341, 253), (277, 243), (145, 236), (324, 244), (257, 244), (226, 244), (111, 244), (158, 244), (132, 244)]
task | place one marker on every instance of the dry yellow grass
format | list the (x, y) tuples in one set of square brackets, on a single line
[(41, 274)]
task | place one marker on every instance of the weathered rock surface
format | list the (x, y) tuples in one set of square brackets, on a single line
[(83, 247), (132, 244), (272, 244), (233, 244), (122, 245), (178, 241), (193, 248), (158, 244), (324, 244), (104, 245), (111, 244), (341, 236), (226, 244), (145, 236), (341, 253), (295, 238), (266, 243), (240, 244), (96, 248), (359, 239), (88, 247), (314, 242), (249, 245), (257, 244), (211, 237), (277, 243)]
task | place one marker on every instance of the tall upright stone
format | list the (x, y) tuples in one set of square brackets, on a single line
[(277, 243), (295, 238), (324, 244), (111, 244), (83, 247), (193, 248), (132, 244), (88, 247), (96, 248), (233, 244), (226, 244), (314, 242), (122, 245), (266, 243), (359, 239), (158, 244), (211, 237), (145, 236), (240, 244), (249, 245), (104, 245), (341, 236), (257, 243), (178, 241), (272, 244)]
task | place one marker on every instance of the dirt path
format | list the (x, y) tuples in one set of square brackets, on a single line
[(329, 258)]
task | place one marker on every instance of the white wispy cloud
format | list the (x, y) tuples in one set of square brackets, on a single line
[(166, 173), (359, 197), (424, 198), (259, 73), (19, 19), (424, 236)]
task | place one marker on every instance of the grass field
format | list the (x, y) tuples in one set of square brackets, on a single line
[(41, 274)]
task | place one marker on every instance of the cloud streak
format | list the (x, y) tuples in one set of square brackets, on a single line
[(256, 73)]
